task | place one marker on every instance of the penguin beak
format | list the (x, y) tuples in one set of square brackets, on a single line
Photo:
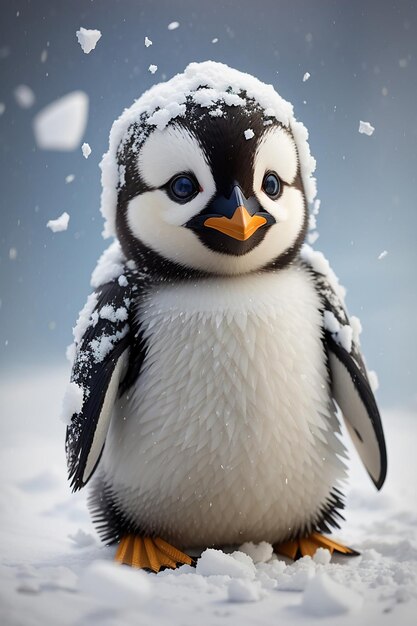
[(240, 226), (232, 215)]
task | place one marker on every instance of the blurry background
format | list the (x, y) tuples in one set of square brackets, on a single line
[(362, 58)]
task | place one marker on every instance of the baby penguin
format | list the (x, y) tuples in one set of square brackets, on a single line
[(211, 354)]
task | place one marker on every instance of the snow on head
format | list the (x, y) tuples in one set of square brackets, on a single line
[(88, 38), (61, 124), (60, 224), (208, 84)]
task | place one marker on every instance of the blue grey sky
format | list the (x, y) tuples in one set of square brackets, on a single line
[(362, 58)]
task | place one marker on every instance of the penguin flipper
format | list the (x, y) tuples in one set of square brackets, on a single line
[(99, 368), (351, 388)]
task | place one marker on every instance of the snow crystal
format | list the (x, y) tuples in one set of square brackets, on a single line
[(86, 150), (84, 318), (322, 556), (173, 25), (24, 96), (2, 108), (324, 597), (215, 562), (108, 312), (148, 42), (249, 134), (241, 590), (69, 178), (103, 345), (258, 552), (109, 266), (152, 68), (60, 223), (88, 38), (215, 40), (44, 56), (330, 322), (306, 76), (72, 402), (344, 337), (356, 327), (166, 101), (373, 380), (61, 124), (365, 128), (115, 585), (12, 254), (382, 255)]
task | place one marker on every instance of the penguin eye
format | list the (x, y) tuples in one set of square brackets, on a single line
[(271, 185), (182, 188)]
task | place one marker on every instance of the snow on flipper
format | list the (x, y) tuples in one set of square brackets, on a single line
[(351, 388), (105, 332)]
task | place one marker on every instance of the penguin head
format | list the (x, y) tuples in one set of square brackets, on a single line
[(216, 188)]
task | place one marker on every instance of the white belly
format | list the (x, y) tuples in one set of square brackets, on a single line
[(228, 435)]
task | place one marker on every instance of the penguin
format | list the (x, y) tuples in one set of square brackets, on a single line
[(215, 358)]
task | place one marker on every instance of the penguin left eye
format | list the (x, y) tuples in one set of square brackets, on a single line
[(271, 185), (182, 188)]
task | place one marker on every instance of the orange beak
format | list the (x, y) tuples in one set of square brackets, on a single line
[(240, 226)]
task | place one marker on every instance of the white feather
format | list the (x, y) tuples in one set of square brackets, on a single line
[(229, 434)]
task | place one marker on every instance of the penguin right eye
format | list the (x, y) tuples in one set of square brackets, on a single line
[(182, 188)]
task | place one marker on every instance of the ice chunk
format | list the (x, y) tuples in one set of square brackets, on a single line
[(215, 562), (148, 42), (61, 124), (88, 38), (86, 150), (365, 128), (241, 590), (306, 76), (259, 552), (382, 255), (323, 597), (24, 96), (249, 134), (173, 25), (152, 68), (60, 224), (72, 402), (115, 585)]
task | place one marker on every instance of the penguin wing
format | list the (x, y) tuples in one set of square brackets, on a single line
[(102, 370), (351, 388)]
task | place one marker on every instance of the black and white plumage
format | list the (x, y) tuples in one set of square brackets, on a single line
[(210, 355)]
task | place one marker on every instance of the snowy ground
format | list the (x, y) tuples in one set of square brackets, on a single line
[(53, 569)]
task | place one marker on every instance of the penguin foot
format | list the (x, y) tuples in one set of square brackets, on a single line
[(149, 553), (308, 545)]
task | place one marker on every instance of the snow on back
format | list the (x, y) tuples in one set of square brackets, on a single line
[(60, 224), (167, 101), (84, 318), (249, 134), (72, 402), (61, 124), (109, 266), (88, 38)]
